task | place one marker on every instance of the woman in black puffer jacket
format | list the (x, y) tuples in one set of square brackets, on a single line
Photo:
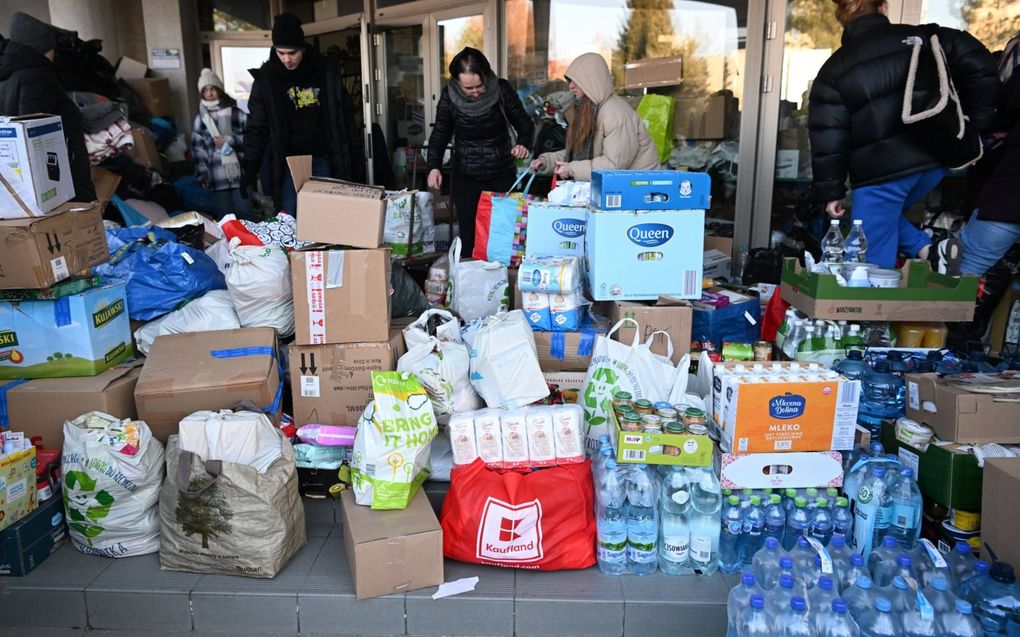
[(856, 127), (477, 110)]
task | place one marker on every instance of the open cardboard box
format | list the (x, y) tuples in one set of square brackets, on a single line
[(960, 415), (334, 211)]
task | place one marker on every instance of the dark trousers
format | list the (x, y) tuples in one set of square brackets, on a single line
[(465, 192)]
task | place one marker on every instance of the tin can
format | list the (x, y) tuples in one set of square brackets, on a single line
[(715, 357), (651, 421), (644, 407), (762, 351), (668, 414), (697, 430), (631, 422), (737, 351)]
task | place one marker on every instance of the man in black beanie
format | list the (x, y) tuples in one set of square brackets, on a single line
[(298, 106), (29, 84)]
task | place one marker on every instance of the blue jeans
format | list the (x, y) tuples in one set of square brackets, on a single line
[(230, 201), (881, 209), (288, 198), (984, 243)]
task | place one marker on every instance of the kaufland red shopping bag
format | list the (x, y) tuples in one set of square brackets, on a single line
[(543, 520)]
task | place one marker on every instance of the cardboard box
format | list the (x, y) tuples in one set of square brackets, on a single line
[(650, 190), (106, 184), (667, 314), (79, 335), (555, 230), (648, 448), (337, 212), (712, 117), (1000, 516), (397, 344), (650, 72), (960, 416), (796, 470), (154, 93), (28, 542), (392, 551), (722, 244), (570, 384), (17, 486), (144, 151), (922, 294), (215, 370), (332, 384), (40, 407), (341, 296), (565, 351), (716, 265), (130, 69), (946, 473), (637, 256), (35, 172)]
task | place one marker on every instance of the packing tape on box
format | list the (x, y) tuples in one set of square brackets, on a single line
[(558, 344), (62, 311), (263, 350), (6, 387), (315, 291)]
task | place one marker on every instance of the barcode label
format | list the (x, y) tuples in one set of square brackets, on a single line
[(614, 201), (742, 444), (634, 454), (848, 393), (188, 258), (310, 386), (692, 285), (914, 395)]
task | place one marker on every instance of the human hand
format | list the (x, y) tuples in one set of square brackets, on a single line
[(538, 165), (218, 142), (519, 152), (835, 209), (562, 170), (435, 179)]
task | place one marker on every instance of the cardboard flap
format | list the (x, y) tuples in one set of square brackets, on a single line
[(368, 525), (300, 170), (82, 384), (130, 69), (106, 183)]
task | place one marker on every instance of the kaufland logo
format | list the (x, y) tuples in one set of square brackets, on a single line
[(569, 228), (650, 235), (510, 533), (787, 406)]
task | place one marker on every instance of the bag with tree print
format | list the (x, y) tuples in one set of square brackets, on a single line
[(221, 517)]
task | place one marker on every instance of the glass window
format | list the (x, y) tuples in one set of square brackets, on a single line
[(454, 35), (303, 9), (993, 22), (236, 61), (233, 15)]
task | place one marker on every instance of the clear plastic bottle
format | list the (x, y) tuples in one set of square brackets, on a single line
[(738, 601), (840, 554), (856, 570), (765, 564), (871, 517), (997, 598), (842, 521), (837, 622), (789, 498), (811, 343), (832, 243), (939, 595), (883, 396), (853, 366), (706, 502), (598, 463), (907, 504), (795, 622), (970, 586), (775, 518), (786, 567), (674, 523), (880, 621), (754, 529), (797, 523), (821, 522), (642, 522), (804, 555), (822, 594), (905, 567), (612, 521), (961, 621), (920, 622), (961, 565), (900, 594), (855, 247), (793, 339), (757, 623), (785, 327), (778, 599), (730, 536), (860, 596), (882, 561)]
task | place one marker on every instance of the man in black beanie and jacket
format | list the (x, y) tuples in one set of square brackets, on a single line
[(29, 84), (298, 106)]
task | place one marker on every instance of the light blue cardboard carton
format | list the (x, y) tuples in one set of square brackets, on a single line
[(555, 230), (639, 256), (78, 335), (650, 190)]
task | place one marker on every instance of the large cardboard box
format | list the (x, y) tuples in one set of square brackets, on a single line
[(555, 230), (332, 384), (35, 172), (565, 351), (144, 151), (712, 117), (667, 314), (17, 485), (959, 415), (796, 470), (106, 183), (570, 384), (341, 296), (392, 551), (42, 251), (40, 407), (668, 190), (1000, 517), (717, 265), (921, 295), (189, 372), (154, 93), (946, 473), (28, 542), (337, 212), (637, 256), (652, 72), (78, 335)]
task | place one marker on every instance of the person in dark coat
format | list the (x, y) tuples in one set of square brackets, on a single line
[(29, 84), (297, 106), (856, 128), (477, 110)]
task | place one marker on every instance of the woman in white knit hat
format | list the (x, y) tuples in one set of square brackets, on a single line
[(217, 137)]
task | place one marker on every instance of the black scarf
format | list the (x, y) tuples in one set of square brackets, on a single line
[(485, 102)]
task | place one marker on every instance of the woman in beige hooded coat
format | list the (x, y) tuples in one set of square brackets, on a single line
[(605, 134)]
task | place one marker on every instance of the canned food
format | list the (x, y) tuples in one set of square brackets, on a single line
[(697, 430), (762, 351), (737, 351), (631, 422), (644, 407), (667, 413)]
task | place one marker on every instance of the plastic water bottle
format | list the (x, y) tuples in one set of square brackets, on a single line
[(674, 523), (961, 621), (785, 327), (882, 561), (598, 463), (797, 523), (754, 530), (853, 366), (803, 555), (961, 565), (739, 600), (840, 554), (907, 504), (900, 595), (821, 522), (871, 517), (860, 596), (997, 598), (705, 504), (939, 595), (642, 526), (775, 518), (612, 521), (757, 622), (823, 593), (832, 243), (786, 567), (842, 521), (794, 622), (730, 536), (905, 567), (920, 621), (970, 586), (857, 570), (778, 599), (880, 621), (855, 247), (792, 343), (837, 622), (789, 498), (765, 564), (883, 396)]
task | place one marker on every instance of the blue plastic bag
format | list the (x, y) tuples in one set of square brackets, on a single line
[(160, 273), (735, 323)]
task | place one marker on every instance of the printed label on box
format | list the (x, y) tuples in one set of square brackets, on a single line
[(310, 386), (910, 459), (59, 266)]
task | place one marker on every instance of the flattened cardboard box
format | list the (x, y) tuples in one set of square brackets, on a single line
[(334, 211), (40, 407), (341, 296), (392, 551), (669, 315), (154, 93), (960, 416), (39, 252), (1000, 516), (189, 372), (332, 384)]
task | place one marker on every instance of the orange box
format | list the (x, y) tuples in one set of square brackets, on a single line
[(816, 414)]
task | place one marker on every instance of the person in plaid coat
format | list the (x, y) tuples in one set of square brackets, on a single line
[(217, 140)]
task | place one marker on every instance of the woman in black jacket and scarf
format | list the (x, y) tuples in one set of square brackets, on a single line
[(477, 110), (856, 126)]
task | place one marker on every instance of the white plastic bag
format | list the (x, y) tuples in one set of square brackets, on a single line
[(213, 311), (112, 472), (441, 458), (244, 437), (259, 284), (477, 288), (504, 362), (619, 367), (219, 252), (443, 369), (418, 333)]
